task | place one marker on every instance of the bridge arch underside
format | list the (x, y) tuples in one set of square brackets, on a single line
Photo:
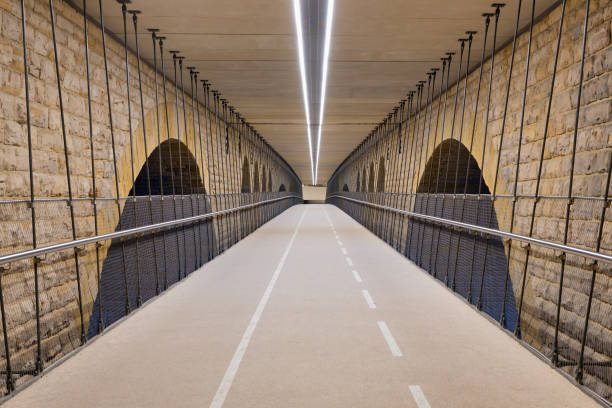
[(137, 269), (476, 267)]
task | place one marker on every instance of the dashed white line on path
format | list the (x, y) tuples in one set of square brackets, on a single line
[(395, 350), (356, 276), (232, 369), (349, 261), (339, 242), (419, 397), (368, 299), (343, 250)]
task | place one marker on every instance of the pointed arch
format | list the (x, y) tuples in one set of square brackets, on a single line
[(445, 176)]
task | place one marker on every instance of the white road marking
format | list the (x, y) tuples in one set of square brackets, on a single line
[(419, 397), (343, 250), (232, 369), (395, 350), (368, 299), (340, 242), (357, 277), (349, 261)]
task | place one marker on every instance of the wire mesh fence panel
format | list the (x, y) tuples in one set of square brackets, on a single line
[(189, 238), (173, 245), (15, 226), (498, 295), (60, 322), (502, 206), (535, 297), (21, 323), (53, 222), (428, 235), (597, 373)]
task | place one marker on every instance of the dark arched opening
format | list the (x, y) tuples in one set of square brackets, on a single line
[(457, 256), (452, 176), (371, 179), (380, 183), (282, 188), (345, 187), (246, 177), (256, 178), (264, 184), (363, 181), (269, 180), (136, 269)]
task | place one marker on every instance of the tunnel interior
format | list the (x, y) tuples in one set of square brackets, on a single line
[(141, 267)]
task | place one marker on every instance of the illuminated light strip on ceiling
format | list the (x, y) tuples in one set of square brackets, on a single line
[(297, 8), (328, 29)]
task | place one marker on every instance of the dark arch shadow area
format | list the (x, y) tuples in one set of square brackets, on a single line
[(457, 258), (256, 178), (363, 181), (345, 187), (135, 270), (264, 181), (269, 180), (246, 177), (380, 182), (371, 179)]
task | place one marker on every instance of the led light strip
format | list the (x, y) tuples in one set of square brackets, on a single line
[(328, 29), (297, 9)]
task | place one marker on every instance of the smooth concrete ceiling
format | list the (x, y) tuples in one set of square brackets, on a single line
[(380, 49)]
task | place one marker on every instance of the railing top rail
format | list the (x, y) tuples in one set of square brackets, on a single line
[(596, 256), (36, 252)]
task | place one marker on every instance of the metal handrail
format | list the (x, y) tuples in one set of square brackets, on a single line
[(18, 256), (491, 231)]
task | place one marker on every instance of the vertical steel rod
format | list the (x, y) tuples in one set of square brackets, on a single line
[(68, 181)]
